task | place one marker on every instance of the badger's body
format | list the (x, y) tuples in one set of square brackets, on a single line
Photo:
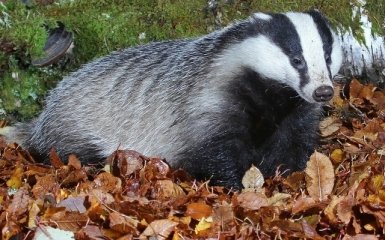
[(248, 94)]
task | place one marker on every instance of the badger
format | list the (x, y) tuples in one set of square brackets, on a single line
[(249, 94)]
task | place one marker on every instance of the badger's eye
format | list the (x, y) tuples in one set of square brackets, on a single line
[(328, 59), (298, 62)]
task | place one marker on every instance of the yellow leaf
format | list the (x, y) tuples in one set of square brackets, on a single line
[(376, 182), (15, 180), (337, 155), (204, 223), (32, 215)]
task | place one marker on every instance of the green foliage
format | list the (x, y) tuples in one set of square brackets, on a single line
[(102, 26)]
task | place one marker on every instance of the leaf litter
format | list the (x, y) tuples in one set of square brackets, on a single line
[(340, 194)]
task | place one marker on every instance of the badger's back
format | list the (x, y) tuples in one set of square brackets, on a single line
[(137, 98)]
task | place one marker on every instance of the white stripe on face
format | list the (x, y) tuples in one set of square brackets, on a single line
[(313, 53)]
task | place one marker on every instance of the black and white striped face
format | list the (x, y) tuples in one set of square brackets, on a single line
[(298, 49)]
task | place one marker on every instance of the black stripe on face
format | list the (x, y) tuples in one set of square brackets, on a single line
[(283, 32), (326, 35)]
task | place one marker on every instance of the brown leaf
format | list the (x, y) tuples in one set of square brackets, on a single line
[(331, 210), (123, 224), (345, 208), (45, 185), (252, 200), (199, 210), (329, 126), (74, 161), (70, 221), (19, 204), (302, 204), (355, 88), (155, 169), (108, 183), (167, 189), (126, 162), (74, 177), (320, 176), (55, 160), (224, 215), (361, 237), (90, 232), (310, 232), (160, 229)]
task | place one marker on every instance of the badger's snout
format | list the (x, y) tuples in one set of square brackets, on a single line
[(323, 94)]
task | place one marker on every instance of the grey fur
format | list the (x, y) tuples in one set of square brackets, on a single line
[(179, 100)]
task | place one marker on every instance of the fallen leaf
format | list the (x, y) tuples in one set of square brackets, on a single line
[(320, 176), (329, 126), (159, 229), (125, 162), (74, 162), (337, 155), (224, 215), (19, 204), (74, 204), (253, 179), (331, 210), (55, 160), (199, 210), (167, 189), (123, 224), (252, 200), (16, 179), (49, 233), (108, 183), (204, 224)]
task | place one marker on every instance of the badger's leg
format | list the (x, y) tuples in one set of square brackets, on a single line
[(292, 143), (218, 159)]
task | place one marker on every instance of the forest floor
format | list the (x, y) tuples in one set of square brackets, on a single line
[(340, 195)]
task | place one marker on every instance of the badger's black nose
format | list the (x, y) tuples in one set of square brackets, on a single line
[(323, 93)]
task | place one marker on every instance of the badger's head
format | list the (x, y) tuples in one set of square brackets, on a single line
[(297, 49)]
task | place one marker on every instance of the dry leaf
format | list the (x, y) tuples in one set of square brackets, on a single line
[(302, 204), (74, 204), (16, 179), (204, 224), (19, 204), (320, 176), (55, 160), (329, 125), (74, 162), (50, 233), (160, 229), (253, 179), (224, 214), (167, 189), (331, 210), (199, 210), (108, 183), (337, 155), (123, 224), (252, 200)]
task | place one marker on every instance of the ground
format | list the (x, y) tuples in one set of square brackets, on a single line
[(340, 194)]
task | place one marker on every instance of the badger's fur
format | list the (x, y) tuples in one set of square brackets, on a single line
[(248, 94)]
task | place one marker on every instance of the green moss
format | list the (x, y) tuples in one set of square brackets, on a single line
[(102, 26)]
